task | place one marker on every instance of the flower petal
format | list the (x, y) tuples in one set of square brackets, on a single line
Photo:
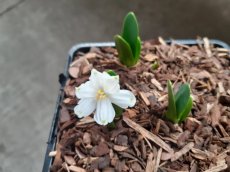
[(110, 84), (85, 90), (85, 107), (123, 99), (95, 78), (104, 112)]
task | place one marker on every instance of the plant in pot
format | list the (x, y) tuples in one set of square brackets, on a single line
[(119, 111)]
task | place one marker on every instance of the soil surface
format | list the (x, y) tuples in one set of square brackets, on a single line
[(143, 139)]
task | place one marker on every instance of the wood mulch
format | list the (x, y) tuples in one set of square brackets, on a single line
[(143, 139)]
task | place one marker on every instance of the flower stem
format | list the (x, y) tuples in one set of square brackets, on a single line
[(118, 111), (111, 125)]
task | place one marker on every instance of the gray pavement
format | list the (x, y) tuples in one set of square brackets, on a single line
[(35, 36)]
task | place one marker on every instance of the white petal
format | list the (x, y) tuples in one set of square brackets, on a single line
[(85, 107), (86, 90), (95, 78), (110, 84), (123, 99), (104, 112)]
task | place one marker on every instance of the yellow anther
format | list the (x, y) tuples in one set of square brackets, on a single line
[(100, 95)]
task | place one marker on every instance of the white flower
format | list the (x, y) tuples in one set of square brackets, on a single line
[(98, 94)]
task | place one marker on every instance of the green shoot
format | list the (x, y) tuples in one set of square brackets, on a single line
[(111, 73), (179, 105), (155, 65), (128, 44)]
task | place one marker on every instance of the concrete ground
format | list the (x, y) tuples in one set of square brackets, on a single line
[(35, 36)]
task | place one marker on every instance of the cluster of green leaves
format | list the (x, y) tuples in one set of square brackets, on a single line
[(128, 44), (179, 104)]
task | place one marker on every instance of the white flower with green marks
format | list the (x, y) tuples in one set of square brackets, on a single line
[(99, 94)]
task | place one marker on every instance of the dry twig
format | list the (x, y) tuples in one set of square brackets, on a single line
[(148, 134)]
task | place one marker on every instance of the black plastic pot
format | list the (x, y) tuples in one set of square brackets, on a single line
[(85, 47)]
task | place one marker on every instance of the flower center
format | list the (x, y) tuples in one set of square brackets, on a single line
[(100, 95)]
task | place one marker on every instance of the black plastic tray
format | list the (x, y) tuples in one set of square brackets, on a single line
[(84, 47)]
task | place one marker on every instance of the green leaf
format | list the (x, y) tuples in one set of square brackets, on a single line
[(130, 30), (128, 44), (138, 49), (124, 51), (118, 111), (111, 72), (186, 111), (171, 113), (179, 105), (155, 65), (182, 98), (111, 126)]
